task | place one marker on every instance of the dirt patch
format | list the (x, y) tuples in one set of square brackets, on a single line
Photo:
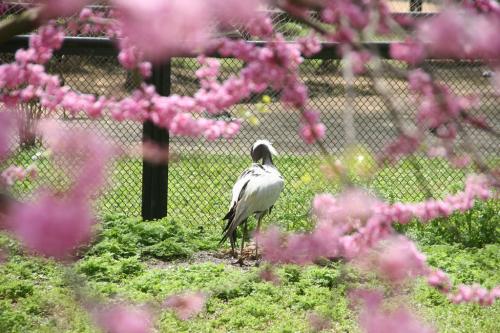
[(222, 257)]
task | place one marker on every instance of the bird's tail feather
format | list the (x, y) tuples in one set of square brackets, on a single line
[(229, 217)]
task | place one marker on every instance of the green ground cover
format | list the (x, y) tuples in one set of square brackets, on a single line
[(144, 262)]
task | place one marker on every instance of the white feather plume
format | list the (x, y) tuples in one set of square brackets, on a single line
[(267, 144)]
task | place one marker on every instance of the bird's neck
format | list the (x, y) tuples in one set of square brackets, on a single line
[(267, 160)]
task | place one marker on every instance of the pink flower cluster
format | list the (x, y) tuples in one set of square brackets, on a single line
[(24, 81), (274, 65), (405, 144), (50, 225), (41, 46), (353, 224), (16, 173), (95, 21), (309, 45), (163, 29), (475, 294), (125, 319), (409, 51), (186, 305), (455, 33), (461, 34), (439, 108), (439, 280), (374, 319), (54, 224), (6, 128), (476, 186), (56, 8), (484, 6), (311, 129), (81, 154), (348, 16), (395, 259)]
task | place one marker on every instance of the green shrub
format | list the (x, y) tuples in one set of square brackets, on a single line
[(475, 228)]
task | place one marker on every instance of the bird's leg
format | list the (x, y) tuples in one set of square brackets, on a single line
[(232, 239), (233, 250), (240, 259), (257, 238)]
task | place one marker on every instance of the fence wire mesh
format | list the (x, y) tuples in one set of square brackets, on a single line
[(98, 75), (200, 180), (206, 171)]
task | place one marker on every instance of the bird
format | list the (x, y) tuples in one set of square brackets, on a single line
[(255, 192)]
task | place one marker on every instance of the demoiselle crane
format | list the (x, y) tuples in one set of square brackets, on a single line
[(254, 193)]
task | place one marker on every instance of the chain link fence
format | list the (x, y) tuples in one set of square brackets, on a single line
[(200, 180)]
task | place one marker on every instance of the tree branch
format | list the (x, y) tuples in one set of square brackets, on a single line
[(20, 24)]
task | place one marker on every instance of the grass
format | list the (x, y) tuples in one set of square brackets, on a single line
[(144, 262)]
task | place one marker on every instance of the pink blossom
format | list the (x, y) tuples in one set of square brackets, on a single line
[(173, 27), (439, 280), (459, 33), (152, 152), (294, 94), (359, 60), (324, 206), (437, 151), (397, 259), (234, 11), (261, 26), (476, 294), (309, 45), (374, 319), (300, 248), (6, 128), (125, 319), (50, 225), (177, 27), (461, 161), (186, 305), (312, 133), (410, 52), (405, 144), (82, 154), (485, 6), (271, 243), (145, 68), (268, 275), (16, 173), (311, 130), (56, 8), (351, 206)]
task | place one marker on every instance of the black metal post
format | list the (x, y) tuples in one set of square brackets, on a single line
[(155, 175), (416, 5)]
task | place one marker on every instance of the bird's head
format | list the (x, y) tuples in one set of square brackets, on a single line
[(263, 149)]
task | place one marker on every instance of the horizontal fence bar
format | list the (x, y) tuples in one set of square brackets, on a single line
[(106, 47), (98, 46)]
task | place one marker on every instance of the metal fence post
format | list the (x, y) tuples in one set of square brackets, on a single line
[(155, 175), (416, 5)]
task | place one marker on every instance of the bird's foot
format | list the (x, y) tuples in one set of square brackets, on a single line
[(239, 262), (256, 256)]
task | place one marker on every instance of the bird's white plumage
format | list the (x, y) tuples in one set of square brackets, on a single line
[(263, 186), (256, 190), (267, 144)]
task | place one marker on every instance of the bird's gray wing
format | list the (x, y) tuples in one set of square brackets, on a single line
[(231, 224)]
